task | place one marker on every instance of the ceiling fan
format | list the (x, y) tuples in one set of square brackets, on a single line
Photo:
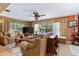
[(36, 15)]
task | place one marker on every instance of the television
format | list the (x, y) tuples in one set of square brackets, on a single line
[(72, 23), (28, 29)]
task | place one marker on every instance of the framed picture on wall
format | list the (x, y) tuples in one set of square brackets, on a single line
[(72, 23)]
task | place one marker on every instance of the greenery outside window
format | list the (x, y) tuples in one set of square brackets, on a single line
[(17, 27)]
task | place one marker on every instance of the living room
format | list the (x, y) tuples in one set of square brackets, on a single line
[(27, 29)]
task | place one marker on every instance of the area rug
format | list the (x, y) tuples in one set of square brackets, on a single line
[(74, 50)]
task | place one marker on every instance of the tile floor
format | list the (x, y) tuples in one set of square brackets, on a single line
[(64, 50)]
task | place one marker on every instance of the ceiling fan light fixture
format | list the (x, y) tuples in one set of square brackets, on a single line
[(36, 18)]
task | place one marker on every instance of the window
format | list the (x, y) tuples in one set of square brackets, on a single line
[(45, 27), (17, 27), (56, 28), (53, 28), (36, 29)]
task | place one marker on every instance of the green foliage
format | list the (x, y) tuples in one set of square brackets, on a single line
[(27, 34), (45, 27)]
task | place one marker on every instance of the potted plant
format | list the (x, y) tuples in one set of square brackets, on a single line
[(27, 34)]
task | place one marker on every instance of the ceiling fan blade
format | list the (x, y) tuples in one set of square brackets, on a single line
[(30, 16), (36, 15), (42, 15)]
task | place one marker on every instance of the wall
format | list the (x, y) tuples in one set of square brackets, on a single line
[(78, 26), (62, 20), (70, 30), (1, 24), (7, 21), (3, 6), (64, 28)]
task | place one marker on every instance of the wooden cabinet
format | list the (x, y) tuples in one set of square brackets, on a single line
[(51, 46)]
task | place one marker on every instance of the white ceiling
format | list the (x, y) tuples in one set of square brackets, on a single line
[(22, 11)]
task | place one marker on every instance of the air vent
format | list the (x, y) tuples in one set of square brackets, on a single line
[(7, 10)]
